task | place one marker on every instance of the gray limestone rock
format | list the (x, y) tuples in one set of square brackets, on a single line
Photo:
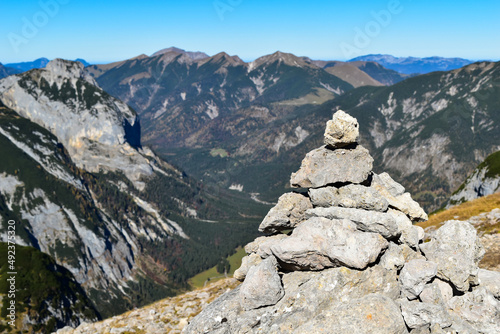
[(309, 296), (262, 245), (324, 166), (417, 314), (349, 196), (402, 202), (320, 243), (385, 180), (286, 214), (262, 285), (479, 309), (490, 280), (409, 233), (393, 258), (370, 221), (371, 314), (414, 275), (437, 292), (410, 254), (457, 251), (247, 262), (341, 130)]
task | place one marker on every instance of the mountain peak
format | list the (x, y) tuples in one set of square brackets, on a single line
[(196, 55), (281, 57), (99, 131), (68, 69)]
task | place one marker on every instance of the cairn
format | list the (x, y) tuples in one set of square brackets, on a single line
[(345, 257)]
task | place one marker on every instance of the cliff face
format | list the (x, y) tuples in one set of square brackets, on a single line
[(483, 181), (98, 131), (83, 190), (354, 262)]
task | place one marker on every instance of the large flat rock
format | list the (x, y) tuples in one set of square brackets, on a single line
[(320, 243), (324, 166)]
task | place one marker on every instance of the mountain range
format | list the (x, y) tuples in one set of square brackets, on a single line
[(37, 63), (415, 65), (5, 71), (128, 226), (242, 128)]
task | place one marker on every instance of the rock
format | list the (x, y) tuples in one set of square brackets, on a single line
[(409, 233), (445, 288), (457, 251), (433, 294), (320, 243), (437, 292), (403, 202), (262, 286), (262, 245), (436, 329), (350, 196), (414, 275), (341, 130), (410, 254), (393, 258), (288, 213), (386, 181), (323, 166), (479, 309), (420, 232), (247, 262), (490, 280), (417, 314), (308, 295), (370, 221), (372, 314)]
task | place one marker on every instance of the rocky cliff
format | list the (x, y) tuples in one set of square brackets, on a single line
[(344, 257), (483, 181)]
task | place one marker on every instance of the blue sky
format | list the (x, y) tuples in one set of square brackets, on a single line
[(109, 30)]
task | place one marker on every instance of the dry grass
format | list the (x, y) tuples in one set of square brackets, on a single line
[(464, 211)]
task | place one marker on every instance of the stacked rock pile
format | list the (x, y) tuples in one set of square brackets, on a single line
[(345, 257)]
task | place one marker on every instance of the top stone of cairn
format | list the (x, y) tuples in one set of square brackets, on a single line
[(341, 130)]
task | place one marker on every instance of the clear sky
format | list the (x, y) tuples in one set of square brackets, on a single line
[(109, 30)]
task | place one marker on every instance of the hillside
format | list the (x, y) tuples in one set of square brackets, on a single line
[(42, 287), (130, 227), (361, 73), (483, 181)]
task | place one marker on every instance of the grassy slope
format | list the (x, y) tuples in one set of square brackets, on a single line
[(211, 275), (465, 211)]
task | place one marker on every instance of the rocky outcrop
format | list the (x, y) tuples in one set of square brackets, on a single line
[(483, 181), (357, 265), (99, 131)]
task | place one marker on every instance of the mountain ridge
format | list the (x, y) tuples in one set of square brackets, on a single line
[(411, 65)]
